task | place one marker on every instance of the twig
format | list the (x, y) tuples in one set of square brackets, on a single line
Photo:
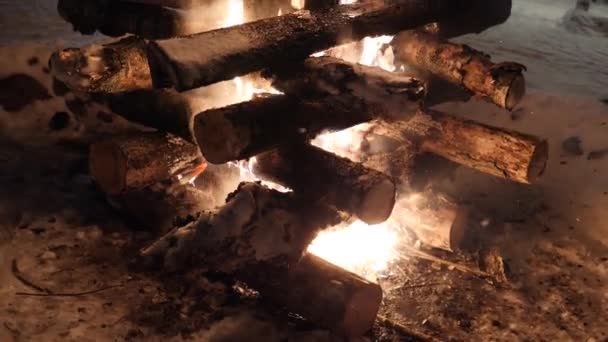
[(73, 294), (21, 277), (414, 286), (406, 330), (462, 268)]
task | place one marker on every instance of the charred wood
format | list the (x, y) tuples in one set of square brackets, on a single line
[(500, 83), (135, 161), (320, 175)]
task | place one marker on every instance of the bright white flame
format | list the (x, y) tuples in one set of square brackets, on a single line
[(297, 4), (235, 13), (360, 248)]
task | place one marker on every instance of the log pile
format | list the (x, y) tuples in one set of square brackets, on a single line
[(260, 235)]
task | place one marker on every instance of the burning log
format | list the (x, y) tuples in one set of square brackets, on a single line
[(136, 161), (147, 19), (434, 219), (335, 298), (316, 174), (166, 110), (335, 95), (245, 129), (163, 207), (501, 83), (110, 68), (197, 60), (256, 226), (259, 236), (499, 152)]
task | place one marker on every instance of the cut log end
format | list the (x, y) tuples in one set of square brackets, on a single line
[(376, 207), (538, 162), (362, 310), (516, 91), (110, 179), (218, 138)]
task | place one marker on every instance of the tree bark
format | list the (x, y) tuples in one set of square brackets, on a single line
[(165, 110), (256, 226), (146, 19), (163, 207), (198, 60), (125, 163), (499, 152), (320, 175), (502, 83), (115, 67), (245, 129), (376, 91)]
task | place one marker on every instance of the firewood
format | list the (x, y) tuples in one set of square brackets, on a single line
[(124, 163), (245, 129), (320, 175), (115, 67), (256, 226), (502, 83), (321, 292), (434, 219), (197, 60), (496, 151), (376, 91), (146, 19), (162, 207), (165, 110)]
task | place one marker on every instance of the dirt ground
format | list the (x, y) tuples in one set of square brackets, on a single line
[(58, 235)]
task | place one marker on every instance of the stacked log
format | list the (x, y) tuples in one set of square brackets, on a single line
[(260, 235)]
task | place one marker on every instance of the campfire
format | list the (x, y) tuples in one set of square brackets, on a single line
[(321, 111)]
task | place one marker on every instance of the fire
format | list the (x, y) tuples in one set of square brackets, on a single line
[(367, 250)]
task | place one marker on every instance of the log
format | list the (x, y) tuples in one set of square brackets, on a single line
[(316, 174), (165, 110), (502, 83), (135, 161), (243, 130), (376, 91), (496, 151), (434, 219), (162, 207), (256, 226), (333, 297), (198, 60), (143, 18), (324, 94), (115, 67)]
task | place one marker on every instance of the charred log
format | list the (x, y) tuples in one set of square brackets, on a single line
[(110, 68), (245, 129), (136, 161), (499, 152), (320, 175), (147, 19), (198, 60), (502, 83)]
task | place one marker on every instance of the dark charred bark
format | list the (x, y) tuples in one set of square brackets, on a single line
[(320, 175)]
